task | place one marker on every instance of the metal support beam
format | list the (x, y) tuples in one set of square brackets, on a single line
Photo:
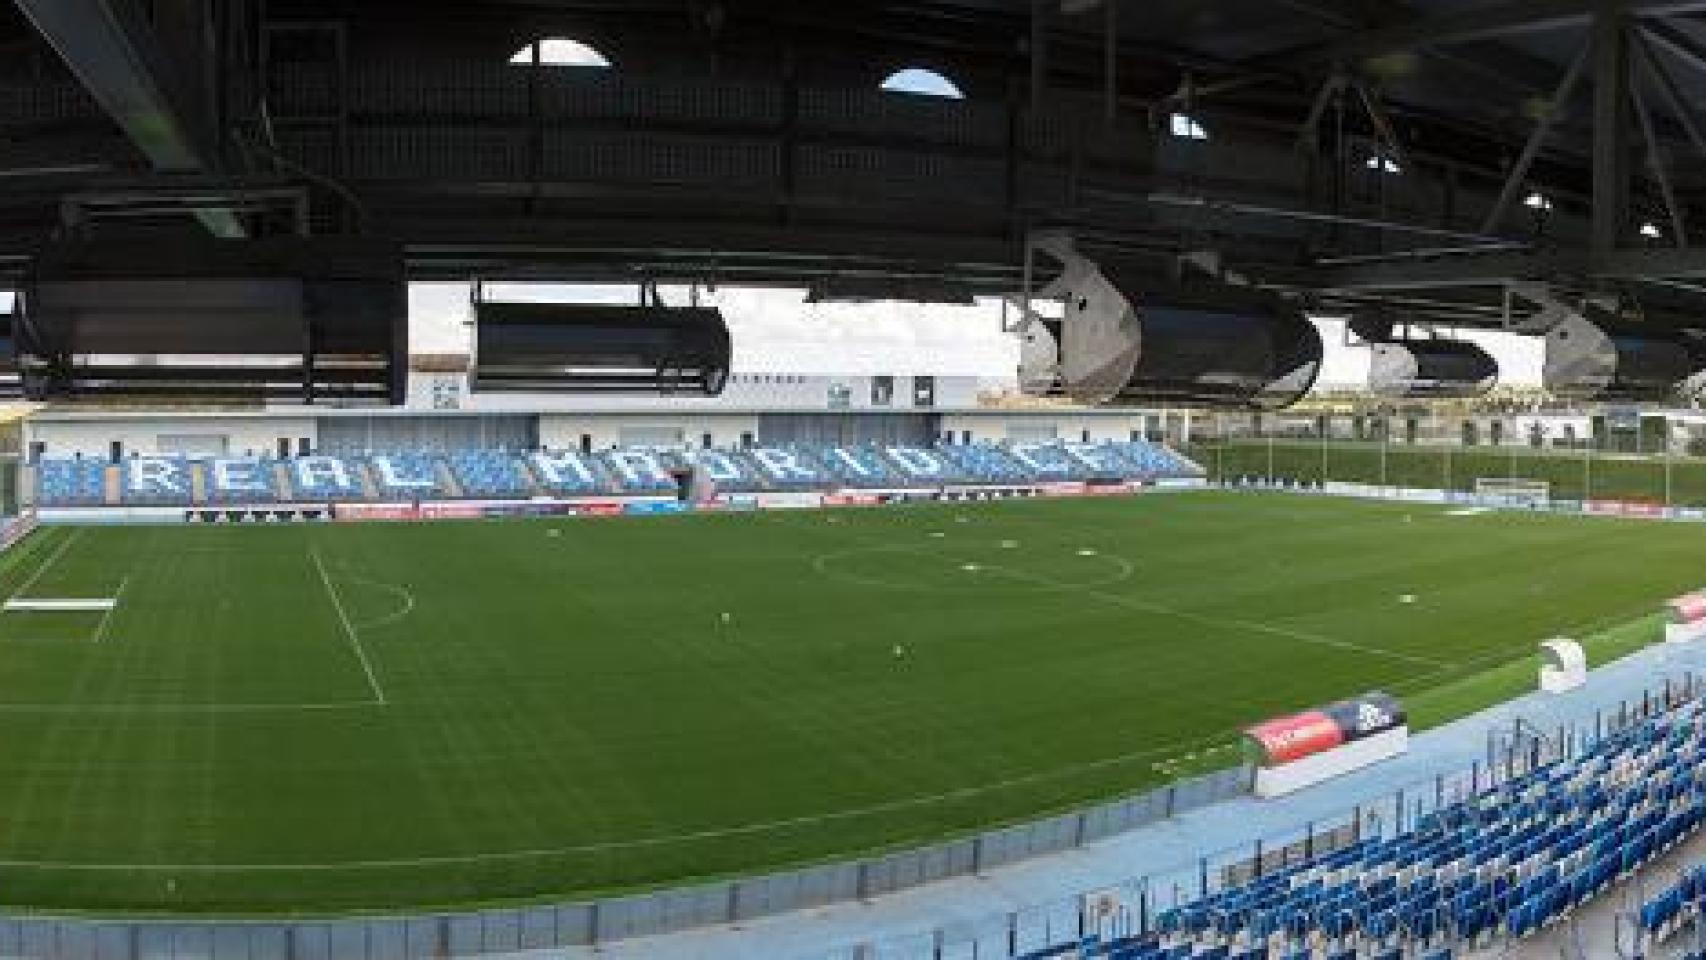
[(1110, 60), (1499, 268), (1039, 54), (1680, 110), (1656, 164), (1681, 45), (1504, 19), (1536, 138), (116, 56), (1384, 131), (1610, 130)]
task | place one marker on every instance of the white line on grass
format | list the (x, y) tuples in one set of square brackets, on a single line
[(407, 608), (349, 628), (744, 829), (169, 708), (1147, 606), (107, 614), (1209, 620), (51, 560)]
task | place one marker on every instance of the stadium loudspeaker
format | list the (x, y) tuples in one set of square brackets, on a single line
[(1131, 340), (1427, 368), (600, 348), (1592, 355)]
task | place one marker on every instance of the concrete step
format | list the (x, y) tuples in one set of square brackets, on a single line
[(447, 479), (281, 477)]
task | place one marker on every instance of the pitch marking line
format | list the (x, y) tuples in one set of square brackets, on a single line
[(107, 614), (349, 628), (1090, 590), (407, 596), (190, 708), (51, 560), (744, 829), (1234, 622)]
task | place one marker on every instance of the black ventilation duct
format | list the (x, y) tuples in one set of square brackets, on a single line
[(1597, 355), (1141, 341), (599, 348), (276, 319)]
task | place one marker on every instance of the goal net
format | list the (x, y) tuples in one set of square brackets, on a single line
[(1513, 490)]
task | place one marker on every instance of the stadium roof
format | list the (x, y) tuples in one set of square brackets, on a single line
[(1358, 149)]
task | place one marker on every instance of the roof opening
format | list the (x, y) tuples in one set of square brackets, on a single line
[(921, 82), (560, 52), (1186, 126)]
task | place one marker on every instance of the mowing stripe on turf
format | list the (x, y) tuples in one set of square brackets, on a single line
[(52, 559), (1207, 620), (744, 829), (1165, 610), (107, 614), (170, 708), (349, 628)]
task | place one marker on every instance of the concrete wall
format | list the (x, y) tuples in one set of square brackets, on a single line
[(744, 391), (154, 435), (91, 435), (1033, 426), (563, 431)]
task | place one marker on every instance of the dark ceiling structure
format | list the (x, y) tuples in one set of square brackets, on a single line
[(1434, 155)]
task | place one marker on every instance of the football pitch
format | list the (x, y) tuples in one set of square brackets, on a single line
[(369, 716)]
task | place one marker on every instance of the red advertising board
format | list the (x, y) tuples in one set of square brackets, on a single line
[(1063, 489), (1623, 508), (1292, 738), (374, 511), (1285, 739), (451, 511), (1688, 608), (851, 500)]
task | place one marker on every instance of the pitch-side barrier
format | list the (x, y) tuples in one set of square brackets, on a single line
[(607, 506)]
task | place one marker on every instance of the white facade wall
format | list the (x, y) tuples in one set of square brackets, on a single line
[(91, 435), (745, 391), (562, 431), (1033, 426), (165, 434)]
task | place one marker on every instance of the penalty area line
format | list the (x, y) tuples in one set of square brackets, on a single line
[(349, 628)]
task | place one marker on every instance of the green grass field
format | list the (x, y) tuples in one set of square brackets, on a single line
[(301, 718), (1571, 474)]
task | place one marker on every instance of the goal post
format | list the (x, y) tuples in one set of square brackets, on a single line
[(1513, 490)]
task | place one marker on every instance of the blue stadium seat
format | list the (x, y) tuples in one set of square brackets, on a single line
[(156, 481), (321, 477), (489, 473), (416, 474), (637, 470), (71, 482), (406, 476), (569, 474), (1503, 863), (240, 480)]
